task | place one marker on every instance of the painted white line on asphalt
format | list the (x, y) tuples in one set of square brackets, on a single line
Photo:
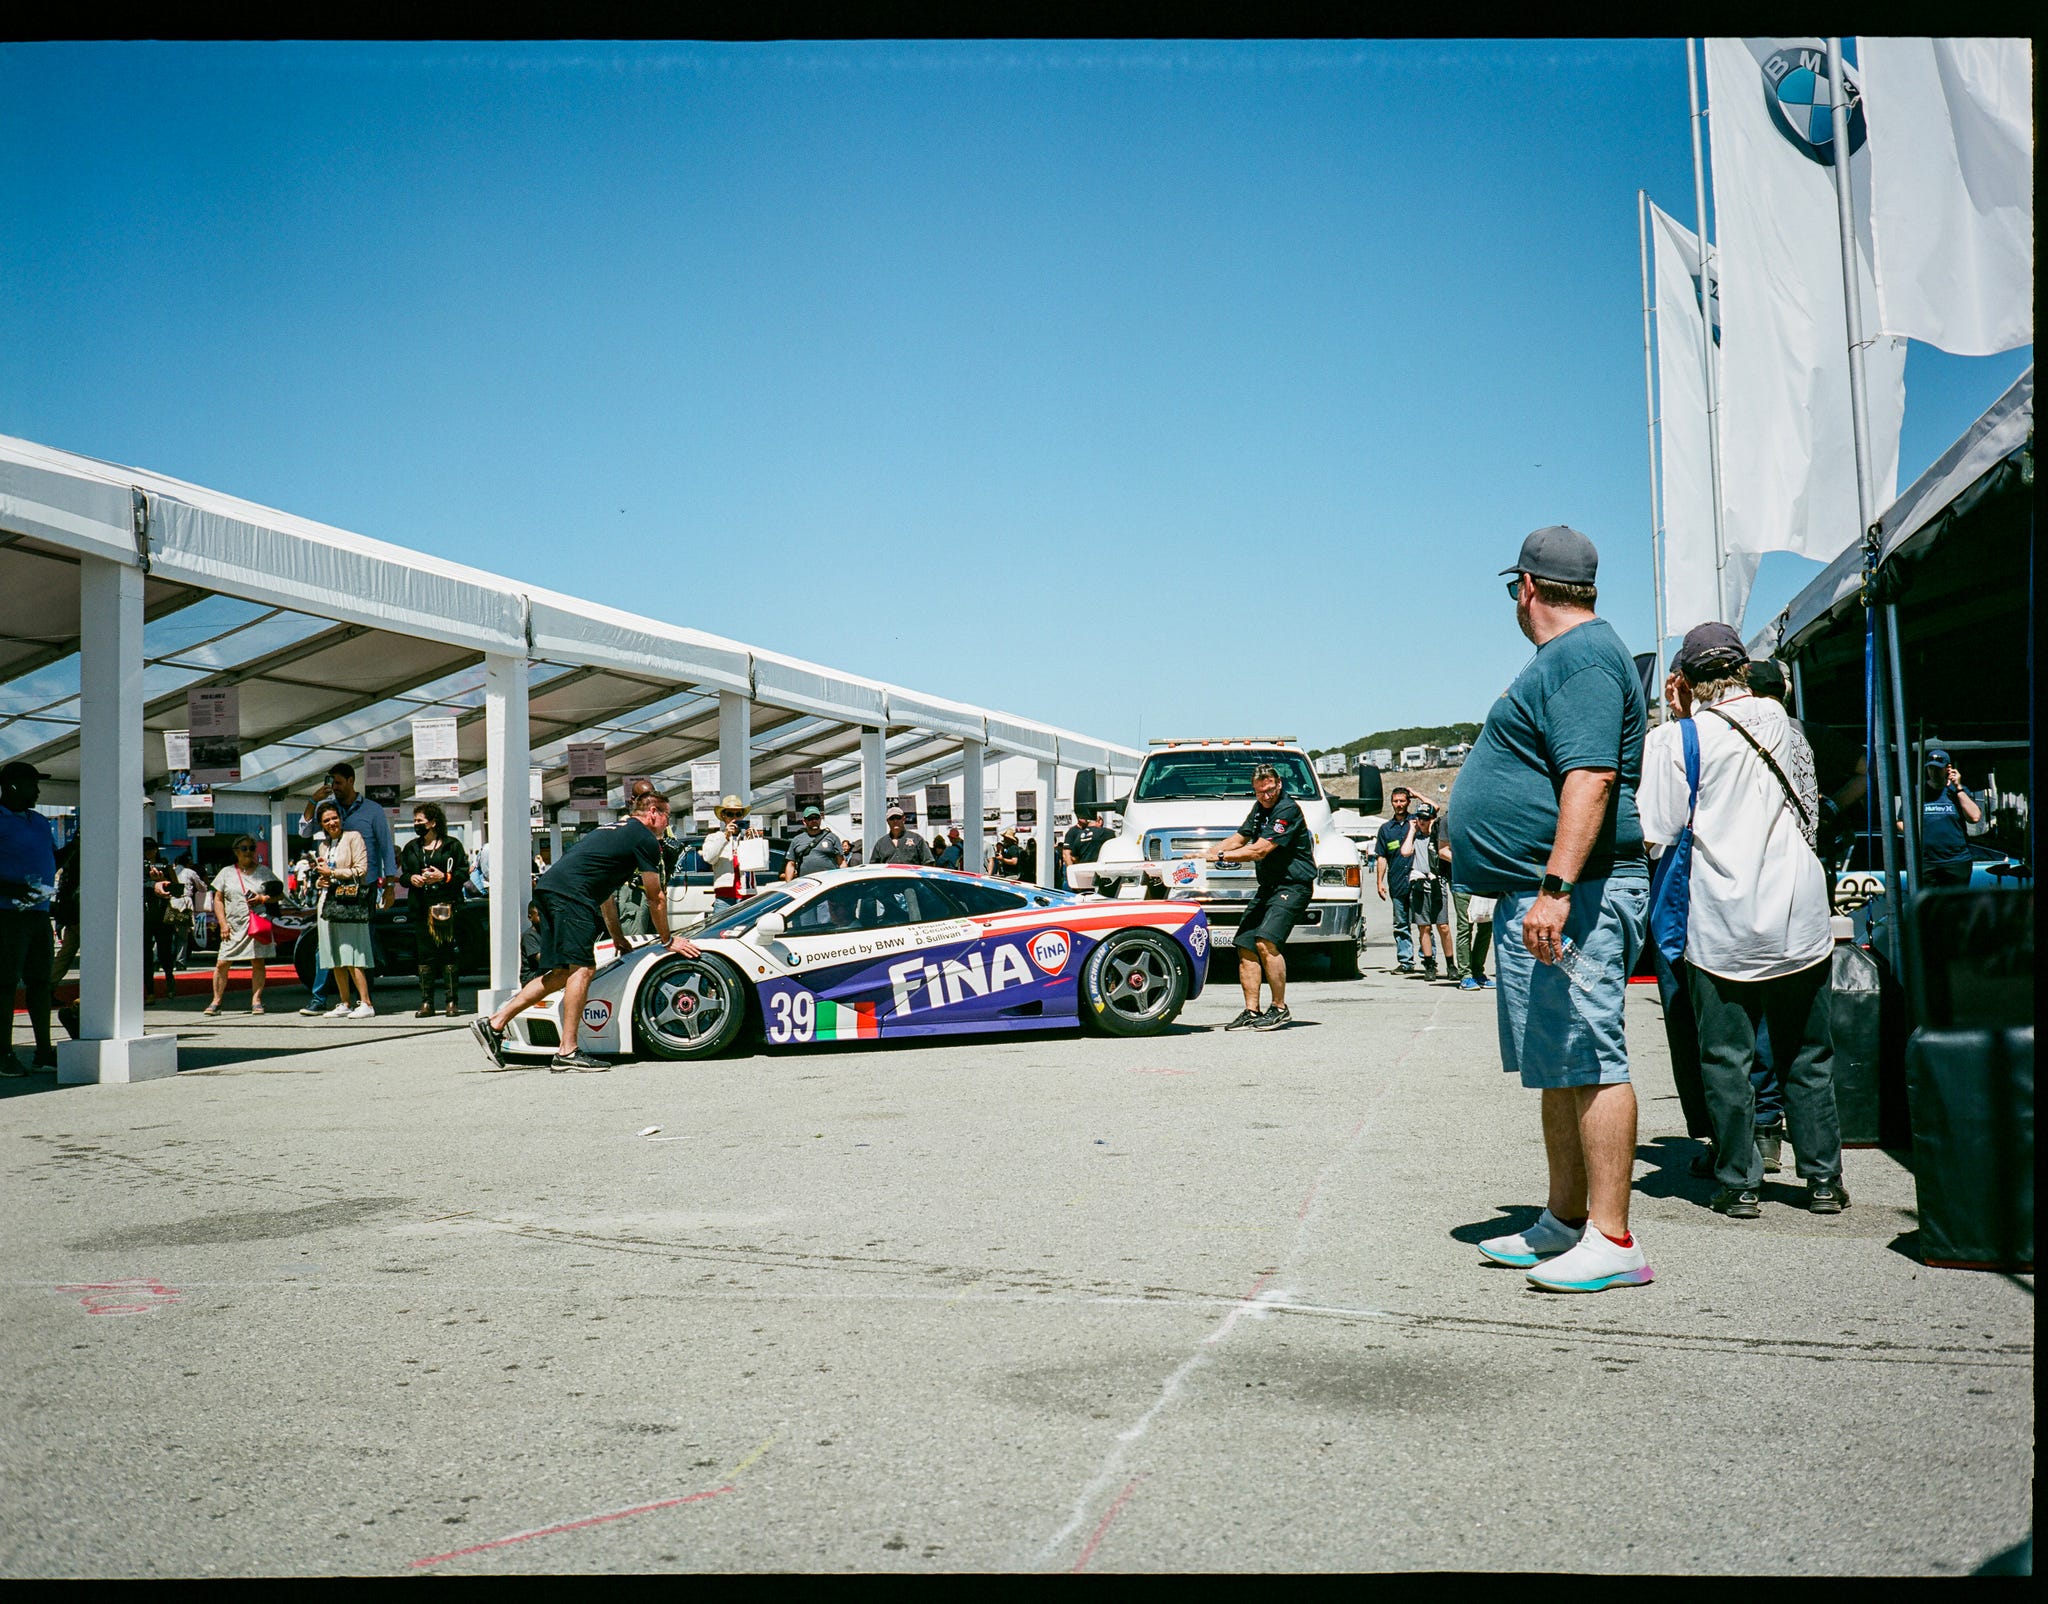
[(1111, 1473)]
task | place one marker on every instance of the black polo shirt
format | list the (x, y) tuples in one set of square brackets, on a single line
[(599, 863), (1085, 841), (1292, 862)]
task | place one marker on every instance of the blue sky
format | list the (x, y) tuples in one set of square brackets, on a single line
[(1148, 389)]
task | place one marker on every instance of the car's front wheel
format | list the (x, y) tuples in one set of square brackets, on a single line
[(1134, 983), (689, 1007)]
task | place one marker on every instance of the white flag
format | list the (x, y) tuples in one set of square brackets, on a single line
[(1691, 595), (1788, 458), (1952, 189)]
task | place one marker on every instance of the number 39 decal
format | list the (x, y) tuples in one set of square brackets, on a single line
[(793, 1016)]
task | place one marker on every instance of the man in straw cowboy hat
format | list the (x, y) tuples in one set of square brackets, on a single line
[(721, 851)]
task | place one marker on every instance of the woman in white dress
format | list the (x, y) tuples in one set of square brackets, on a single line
[(239, 890), (341, 869)]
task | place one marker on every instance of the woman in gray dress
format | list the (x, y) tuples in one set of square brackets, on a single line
[(341, 869), (239, 890)]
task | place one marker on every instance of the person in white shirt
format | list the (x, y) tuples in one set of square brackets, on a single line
[(721, 852), (1758, 940)]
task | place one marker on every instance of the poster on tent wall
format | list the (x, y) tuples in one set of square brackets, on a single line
[(436, 761), (704, 791), (1027, 810), (808, 787), (588, 781), (536, 811), (178, 765), (198, 823), (213, 725), (380, 778), (938, 804), (908, 803)]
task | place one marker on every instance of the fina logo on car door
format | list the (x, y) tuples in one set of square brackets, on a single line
[(1049, 949)]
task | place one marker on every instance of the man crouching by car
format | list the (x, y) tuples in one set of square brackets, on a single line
[(1276, 838), (571, 899)]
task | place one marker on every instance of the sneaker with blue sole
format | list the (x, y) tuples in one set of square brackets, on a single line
[(1547, 1237), (1597, 1264)]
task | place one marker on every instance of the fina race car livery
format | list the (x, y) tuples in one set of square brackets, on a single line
[(875, 954)]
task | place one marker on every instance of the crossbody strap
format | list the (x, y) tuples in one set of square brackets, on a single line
[(1792, 796)]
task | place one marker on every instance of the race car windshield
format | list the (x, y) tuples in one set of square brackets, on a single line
[(739, 919), (1210, 775)]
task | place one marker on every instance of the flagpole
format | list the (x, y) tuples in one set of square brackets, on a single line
[(1650, 414), (1699, 201), (1866, 497)]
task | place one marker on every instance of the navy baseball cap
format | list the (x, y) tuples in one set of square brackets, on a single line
[(1559, 553), (1709, 650), (1936, 758)]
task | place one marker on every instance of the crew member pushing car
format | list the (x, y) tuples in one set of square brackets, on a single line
[(572, 898), (1276, 838)]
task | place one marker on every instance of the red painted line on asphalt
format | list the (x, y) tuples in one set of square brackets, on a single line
[(1095, 1538), (569, 1526), (1162, 1072), (1302, 1212)]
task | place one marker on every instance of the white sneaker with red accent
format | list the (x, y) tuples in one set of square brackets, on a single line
[(1597, 1264)]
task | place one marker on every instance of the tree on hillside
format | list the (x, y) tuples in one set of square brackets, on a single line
[(1413, 735)]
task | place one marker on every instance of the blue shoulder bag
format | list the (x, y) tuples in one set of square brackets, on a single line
[(1671, 878)]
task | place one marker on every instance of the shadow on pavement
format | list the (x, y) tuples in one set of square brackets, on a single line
[(1512, 1217)]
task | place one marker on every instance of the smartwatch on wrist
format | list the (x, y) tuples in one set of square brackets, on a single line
[(1554, 887)]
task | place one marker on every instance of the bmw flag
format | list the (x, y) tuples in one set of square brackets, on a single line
[(1691, 595), (1952, 190), (1788, 457)]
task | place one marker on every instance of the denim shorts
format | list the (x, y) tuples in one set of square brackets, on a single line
[(1552, 1032)]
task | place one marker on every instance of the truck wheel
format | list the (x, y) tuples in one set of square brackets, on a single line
[(689, 1007), (1134, 983), (1347, 957)]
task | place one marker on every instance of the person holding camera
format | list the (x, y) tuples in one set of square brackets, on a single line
[(434, 866), (366, 819), (341, 871), (721, 852), (1947, 809), (1429, 896)]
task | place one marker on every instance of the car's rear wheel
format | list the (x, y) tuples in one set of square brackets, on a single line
[(689, 1007), (1134, 983)]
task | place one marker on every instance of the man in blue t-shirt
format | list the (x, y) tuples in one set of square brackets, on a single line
[(1546, 825), (1390, 874), (1946, 812), (28, 880)]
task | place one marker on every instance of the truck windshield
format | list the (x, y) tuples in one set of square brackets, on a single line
[(1207, 773)]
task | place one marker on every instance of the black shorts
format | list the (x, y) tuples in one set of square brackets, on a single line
[(1427, 902), (569, 929), (1272, 915)]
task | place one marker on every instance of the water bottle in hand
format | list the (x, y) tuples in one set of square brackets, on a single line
[(1578, 968)]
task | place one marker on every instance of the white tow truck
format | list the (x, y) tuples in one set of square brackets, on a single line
[(1189, 795)]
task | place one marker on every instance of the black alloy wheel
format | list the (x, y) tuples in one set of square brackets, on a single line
[(1134, 983)]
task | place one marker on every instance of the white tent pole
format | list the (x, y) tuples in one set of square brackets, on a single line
[(973, 838), (1650, 417), (736, 745), (1708, 271), (508, 760), (111, 1045), (874, 786)]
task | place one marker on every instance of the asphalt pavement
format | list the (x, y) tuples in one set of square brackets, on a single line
[(334, 1300)]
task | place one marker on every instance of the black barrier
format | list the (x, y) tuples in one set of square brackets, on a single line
[(1855, 1020), (1970, 1078)]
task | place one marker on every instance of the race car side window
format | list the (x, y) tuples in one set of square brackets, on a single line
[(972, 898)]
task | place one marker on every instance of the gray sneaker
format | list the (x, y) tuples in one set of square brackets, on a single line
[(1275, 1019), (583, 1063), (1245, 1020)]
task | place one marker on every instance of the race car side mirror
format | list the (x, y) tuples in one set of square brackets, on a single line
[(769, 926)]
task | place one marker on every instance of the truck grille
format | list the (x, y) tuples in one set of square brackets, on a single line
[(1162, 844)]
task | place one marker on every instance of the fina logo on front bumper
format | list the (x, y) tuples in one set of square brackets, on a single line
[(953, 978)]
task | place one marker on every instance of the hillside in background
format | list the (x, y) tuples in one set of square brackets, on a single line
[(1416, 735)]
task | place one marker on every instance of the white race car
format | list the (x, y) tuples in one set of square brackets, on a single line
[(884, 952)]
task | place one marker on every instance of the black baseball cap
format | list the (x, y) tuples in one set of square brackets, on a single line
[(1558, 552), (1766, 678), (19, 773), (1709, 651)]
